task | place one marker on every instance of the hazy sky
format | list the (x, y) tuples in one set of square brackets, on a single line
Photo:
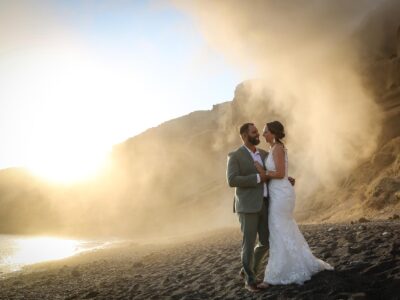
[(77, 77)]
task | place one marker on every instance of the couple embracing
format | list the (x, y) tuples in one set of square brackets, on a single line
[(264, 202)]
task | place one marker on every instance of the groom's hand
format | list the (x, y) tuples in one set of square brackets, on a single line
[(261, 171), (259, 167), (292, 180)]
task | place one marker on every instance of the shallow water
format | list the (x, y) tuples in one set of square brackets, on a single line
[(17, 251)]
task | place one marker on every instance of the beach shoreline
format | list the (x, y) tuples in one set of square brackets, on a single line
[(366, 257)]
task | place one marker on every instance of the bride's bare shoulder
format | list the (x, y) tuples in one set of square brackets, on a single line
[(279, 147)]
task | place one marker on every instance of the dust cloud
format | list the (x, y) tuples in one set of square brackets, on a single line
[(308, 58)]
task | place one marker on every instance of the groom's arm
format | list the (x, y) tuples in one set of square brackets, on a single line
[(233, 175)]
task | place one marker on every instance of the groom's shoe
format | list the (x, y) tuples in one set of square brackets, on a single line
[(262, 286), (252, 288)]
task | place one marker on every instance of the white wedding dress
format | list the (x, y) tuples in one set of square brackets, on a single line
[(290, 258)]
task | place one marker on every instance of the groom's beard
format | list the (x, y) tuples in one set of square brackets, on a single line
[(254, 140)]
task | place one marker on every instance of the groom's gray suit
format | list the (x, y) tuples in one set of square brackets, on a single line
[(251, 207)]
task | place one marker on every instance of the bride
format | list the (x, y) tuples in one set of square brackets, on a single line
[(290, 258)]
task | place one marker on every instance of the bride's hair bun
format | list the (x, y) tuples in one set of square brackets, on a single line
[(277, 129)]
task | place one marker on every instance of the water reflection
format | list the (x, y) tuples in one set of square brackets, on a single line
[(16, 252)]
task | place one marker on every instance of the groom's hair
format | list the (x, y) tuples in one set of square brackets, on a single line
[(245, 128)]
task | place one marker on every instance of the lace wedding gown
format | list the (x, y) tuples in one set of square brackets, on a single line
[(290, 258)]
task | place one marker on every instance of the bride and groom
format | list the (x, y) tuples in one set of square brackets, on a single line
[(264, 201)]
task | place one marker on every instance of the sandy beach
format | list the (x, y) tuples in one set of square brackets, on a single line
[(366, 257)]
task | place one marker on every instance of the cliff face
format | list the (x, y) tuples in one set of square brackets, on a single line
[(372, 189), (193, 148), (176, 171)]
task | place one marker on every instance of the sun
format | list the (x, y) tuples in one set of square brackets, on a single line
[(67, 169), (73, 108), (69, 109), (67, 160)]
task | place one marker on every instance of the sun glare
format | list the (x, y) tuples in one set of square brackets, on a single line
[(76, 111), (68, 169), (75, 105)]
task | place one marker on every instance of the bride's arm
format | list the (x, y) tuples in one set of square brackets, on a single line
[(279, 158)]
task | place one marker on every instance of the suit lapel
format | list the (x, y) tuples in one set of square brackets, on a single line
[(250, 158), (247, 154)]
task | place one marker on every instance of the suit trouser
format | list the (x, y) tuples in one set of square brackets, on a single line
[(252, 224)]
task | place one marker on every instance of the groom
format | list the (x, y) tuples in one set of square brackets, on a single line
[(250, 202)]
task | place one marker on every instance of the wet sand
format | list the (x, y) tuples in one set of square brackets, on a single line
[(366, 257)]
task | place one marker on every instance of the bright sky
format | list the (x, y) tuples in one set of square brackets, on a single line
[(77, 77)]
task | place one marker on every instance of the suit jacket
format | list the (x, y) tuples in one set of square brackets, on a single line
[(242, 175)]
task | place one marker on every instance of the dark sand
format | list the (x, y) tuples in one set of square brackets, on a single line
[(366, 257)]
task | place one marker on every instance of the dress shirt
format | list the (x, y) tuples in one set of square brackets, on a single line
[(257, 157)]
